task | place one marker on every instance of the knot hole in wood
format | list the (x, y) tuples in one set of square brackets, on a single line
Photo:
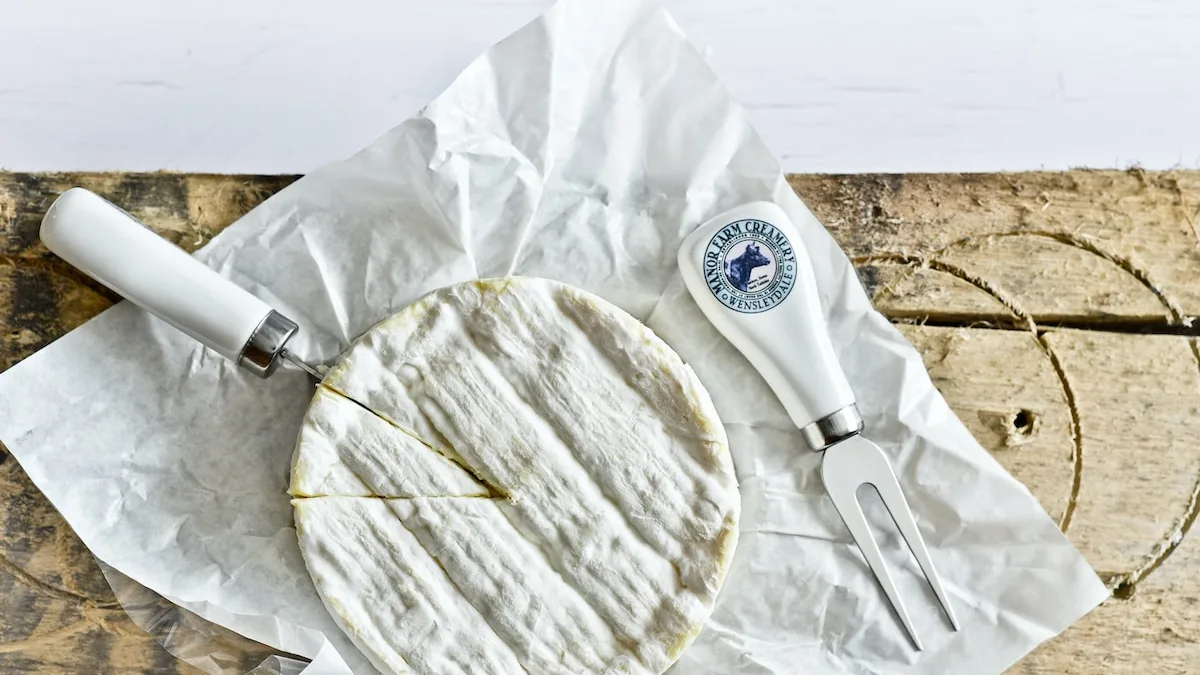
[(1025, 423), (1014, 427)]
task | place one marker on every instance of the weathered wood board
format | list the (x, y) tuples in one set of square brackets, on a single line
[(1054, 311)]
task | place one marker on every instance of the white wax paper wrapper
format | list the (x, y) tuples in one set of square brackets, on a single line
[(583, 148)]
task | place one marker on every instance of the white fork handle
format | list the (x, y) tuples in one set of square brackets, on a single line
[(750, 274), (111, 247)]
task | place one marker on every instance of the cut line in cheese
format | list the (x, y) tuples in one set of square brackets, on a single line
[(344, 449), (529, 466)]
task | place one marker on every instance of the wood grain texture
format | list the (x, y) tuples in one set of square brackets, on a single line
[(1053, 310)]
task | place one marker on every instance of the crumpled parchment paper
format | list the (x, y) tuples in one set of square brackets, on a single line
[(582, 148)]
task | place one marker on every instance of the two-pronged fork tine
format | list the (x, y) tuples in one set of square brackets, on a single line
[(845, 467)]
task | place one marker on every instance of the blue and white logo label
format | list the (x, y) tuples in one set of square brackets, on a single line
[(750, 266)]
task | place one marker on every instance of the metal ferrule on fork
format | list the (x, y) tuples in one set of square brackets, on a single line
[(836, 426)]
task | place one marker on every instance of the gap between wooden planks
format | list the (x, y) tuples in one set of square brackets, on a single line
[(1054, 311)]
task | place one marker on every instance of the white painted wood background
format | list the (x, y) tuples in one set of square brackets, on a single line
[(833, 85)]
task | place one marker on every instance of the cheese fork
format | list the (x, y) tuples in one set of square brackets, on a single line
[(749, 273)]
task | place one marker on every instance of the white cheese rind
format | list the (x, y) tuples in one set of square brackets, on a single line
[(379, 582), (554, 631), (617, 512), (343, 449)]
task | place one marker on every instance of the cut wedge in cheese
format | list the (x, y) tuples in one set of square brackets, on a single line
[(347, 450), (515, 476)]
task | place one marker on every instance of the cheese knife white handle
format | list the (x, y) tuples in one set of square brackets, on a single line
[(748, 271), (107, 244)]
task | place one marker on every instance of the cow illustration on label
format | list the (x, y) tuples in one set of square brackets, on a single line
[(750, 266), (738, 270)]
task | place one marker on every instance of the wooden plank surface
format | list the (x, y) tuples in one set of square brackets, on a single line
[(1053, 310)]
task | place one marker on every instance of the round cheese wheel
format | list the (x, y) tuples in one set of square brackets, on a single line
[(515, 476)]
